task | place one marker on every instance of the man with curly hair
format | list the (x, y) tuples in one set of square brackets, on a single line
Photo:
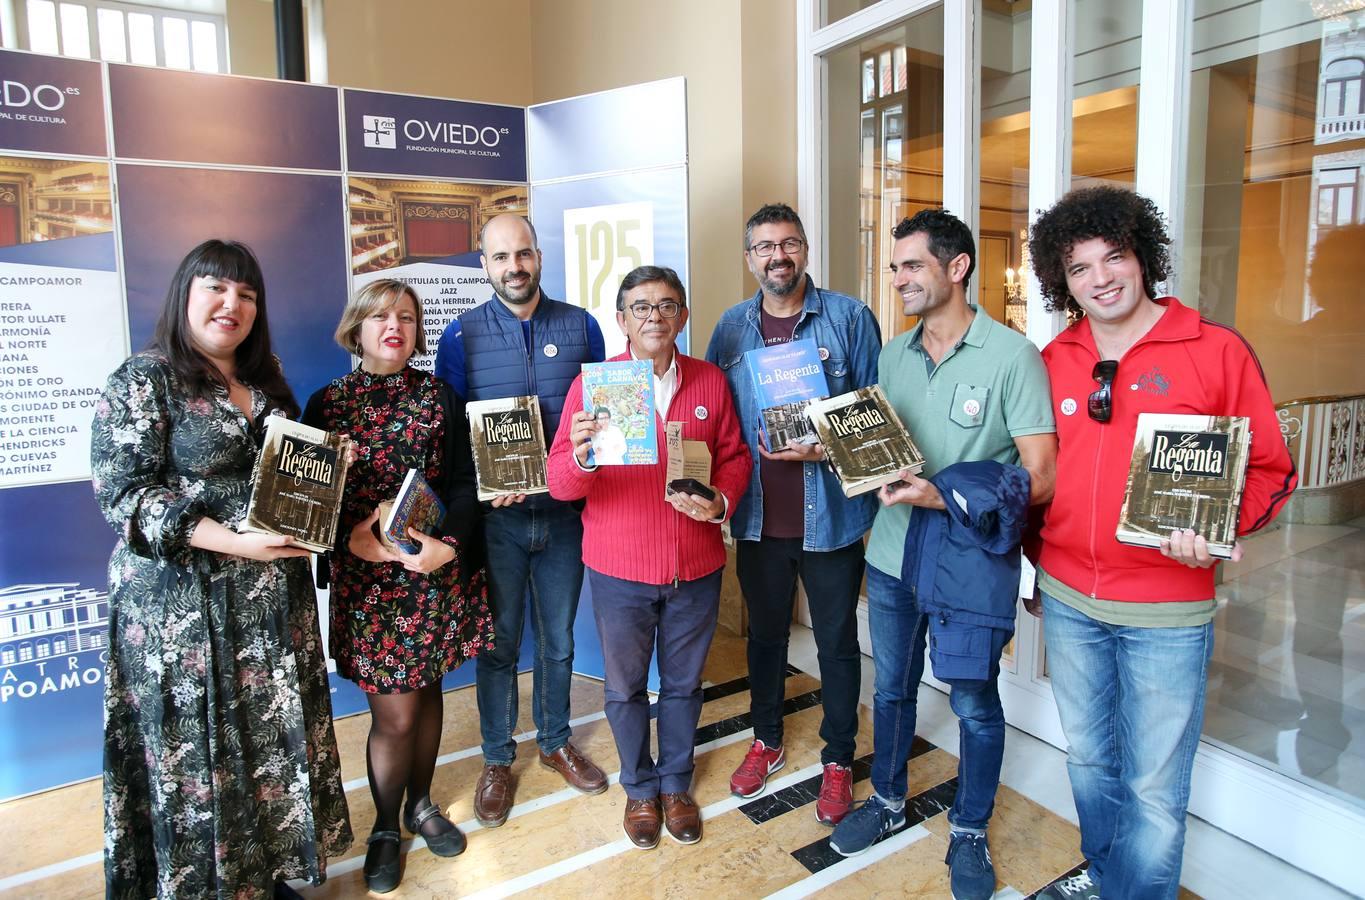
[(1130, 630)]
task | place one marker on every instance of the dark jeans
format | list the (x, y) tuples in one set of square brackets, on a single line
[(629, 616), (539, 549), (898, 642), (768, 569)]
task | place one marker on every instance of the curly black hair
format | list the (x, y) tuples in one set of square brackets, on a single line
[(1117, 215)]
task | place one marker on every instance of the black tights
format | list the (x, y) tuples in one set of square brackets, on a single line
[(405, 736)]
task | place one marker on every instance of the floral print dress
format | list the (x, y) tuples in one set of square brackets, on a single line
[(393, 630), (221, 773)]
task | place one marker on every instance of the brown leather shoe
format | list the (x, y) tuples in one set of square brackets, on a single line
[(493, 795), (682, 818), (642, 822), (576, 768)]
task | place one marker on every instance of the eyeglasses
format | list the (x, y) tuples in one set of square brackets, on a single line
[(790, 246), (668, 309), (1100, 404)]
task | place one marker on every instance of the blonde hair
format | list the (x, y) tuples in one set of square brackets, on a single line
[(374, 297)]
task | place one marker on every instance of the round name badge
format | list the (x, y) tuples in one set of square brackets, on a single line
[(824, 353), (971, 407), (700, 412), (1068, 407), (551, 351)]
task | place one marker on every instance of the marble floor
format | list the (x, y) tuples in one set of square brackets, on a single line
[(559, 843)]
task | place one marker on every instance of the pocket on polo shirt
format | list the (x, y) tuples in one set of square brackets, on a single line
[(969, 405)]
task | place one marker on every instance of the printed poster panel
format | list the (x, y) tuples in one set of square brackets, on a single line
[(51, 104), (592, 232), (635, 127), (426, 234), (293, 222), (175, 116), (54, 619), (397, 134), (61, 315)]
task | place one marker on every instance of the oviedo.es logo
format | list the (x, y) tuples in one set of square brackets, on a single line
[(380, 132), (34, 103)]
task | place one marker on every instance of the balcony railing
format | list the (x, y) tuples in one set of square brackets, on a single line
[(1326, 438)]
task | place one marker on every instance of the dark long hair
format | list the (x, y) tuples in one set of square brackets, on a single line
[(257, 365)]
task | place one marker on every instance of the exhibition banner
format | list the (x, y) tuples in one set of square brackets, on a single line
[(49, 104), (91, 230), (393, 134), (172, 116)]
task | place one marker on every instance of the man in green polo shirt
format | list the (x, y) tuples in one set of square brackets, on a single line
[(968, 388)]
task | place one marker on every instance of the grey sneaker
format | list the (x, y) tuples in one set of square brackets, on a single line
[(1077, 887)]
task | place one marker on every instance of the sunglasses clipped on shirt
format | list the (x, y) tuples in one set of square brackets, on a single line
[(1100, 404)]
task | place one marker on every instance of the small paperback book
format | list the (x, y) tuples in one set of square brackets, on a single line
[(1186, 472), (786, 378), (620, 395), (297, 486), (688, 466), (509, 446), (416, 507), (864, 439)]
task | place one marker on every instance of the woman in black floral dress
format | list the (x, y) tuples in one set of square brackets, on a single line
[(401, 621), (221, 774)]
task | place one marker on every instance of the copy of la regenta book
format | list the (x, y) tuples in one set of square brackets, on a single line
[(509, 446), (620, 395), (296, 488), (864, 439), (786, 378), (415, 506), (1186, 472)]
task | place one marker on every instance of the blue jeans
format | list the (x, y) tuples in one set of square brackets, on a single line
[(1132, 704), (898, 643), (539, 549)]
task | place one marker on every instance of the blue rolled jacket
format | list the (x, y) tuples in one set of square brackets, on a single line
[(845, 329), (962, 563)]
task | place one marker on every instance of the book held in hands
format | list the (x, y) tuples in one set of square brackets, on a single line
[(297, 485), (509, 446), (864, 439), (1186, 472), (620, 395), (416, 506), (786, 378)]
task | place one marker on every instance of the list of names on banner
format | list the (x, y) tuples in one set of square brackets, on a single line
[(60, 336)]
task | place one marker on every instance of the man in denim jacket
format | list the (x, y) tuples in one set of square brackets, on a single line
[(795, 520)]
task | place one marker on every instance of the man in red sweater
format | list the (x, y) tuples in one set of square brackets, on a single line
[(654, 563), (1130, 630)]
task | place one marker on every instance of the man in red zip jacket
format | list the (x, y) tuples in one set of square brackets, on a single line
[(654, 564), (1130, 630)]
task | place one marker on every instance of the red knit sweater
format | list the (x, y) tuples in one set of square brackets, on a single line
[(629, 530)]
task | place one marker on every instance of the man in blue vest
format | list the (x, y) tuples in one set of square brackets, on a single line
[(520, 343)]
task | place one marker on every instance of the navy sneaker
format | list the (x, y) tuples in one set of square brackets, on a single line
[(1077, 887), (969, 862), (861, 828)]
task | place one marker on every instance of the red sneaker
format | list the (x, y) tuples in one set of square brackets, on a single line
[(836, 794), (760, 762)]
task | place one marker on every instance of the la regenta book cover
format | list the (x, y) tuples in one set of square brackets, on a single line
[(416, 506), (509, 446), (1187, 471), (786, 378), (620, 395), (297, 484)]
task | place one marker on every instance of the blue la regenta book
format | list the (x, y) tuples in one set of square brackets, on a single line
[(620, 395), (417, 507), (786, 378)]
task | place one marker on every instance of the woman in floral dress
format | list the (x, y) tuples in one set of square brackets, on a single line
[(221, 775), (399, 622)]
